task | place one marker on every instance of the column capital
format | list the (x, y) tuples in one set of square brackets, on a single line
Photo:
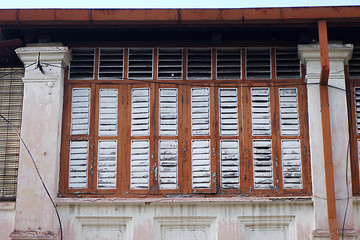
[(311, 52)]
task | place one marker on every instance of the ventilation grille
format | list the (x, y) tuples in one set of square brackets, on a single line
[(200, 111), (107, 165), (78, 164), (111, 63), (80, 110), (291, 160), (258, 64), (168, 113), (199, 64), (82, 64), (140, 112), (357, 109), (260, 108), (139, 164), (354, 64), (262, 161), (228, 63), (230, 172), (200, 158), (228, 112), (140, 63), (168, 164), (287, 63), (108, 112), (170, 63), (289, 116)]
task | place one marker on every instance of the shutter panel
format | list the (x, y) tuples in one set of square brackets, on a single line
[(108, 112), (260, 108), (229, 124), (258, 63), (230, 172), (168, 112), (287, 63), (262, 164), (78, 164), (289, 115), (139, 168), (168, 164), (111, 63), (170, 63), (354, 63), (357, 109), (140, 63), (200, 111), (199, 64), (106, 170), (80, 111), (228, 63), (200, 159), (291, 160), (82, 63), (140, 112)]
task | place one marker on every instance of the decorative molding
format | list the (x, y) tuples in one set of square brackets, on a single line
[(32, 235), (321, 234), (336, 52)]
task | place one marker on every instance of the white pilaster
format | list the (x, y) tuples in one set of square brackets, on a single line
[(41, 130), (338, 56)]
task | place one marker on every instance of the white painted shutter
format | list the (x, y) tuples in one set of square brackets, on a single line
[(168, 112), (140, 161), (82, 63), (289, 114), (140, 63), (108, 112), (200, 162), (78, 164), (80, 111), (258, 63), (291, 161), (170, 63), (260, 109), (168, 164), (230, 171), (107, 152), (229, 123), (111, 63), (140, 112), (200, 111), (262, 164), (199, 63), (287, 63), (228, 63), (357, 108)]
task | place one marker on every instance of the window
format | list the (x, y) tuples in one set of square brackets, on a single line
[(174, 121), (11, 95)]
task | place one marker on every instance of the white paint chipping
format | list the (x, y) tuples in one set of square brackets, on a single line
[(107, 161), (80, 111), (78, 164)]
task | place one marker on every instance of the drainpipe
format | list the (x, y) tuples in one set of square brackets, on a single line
[(326, 130)]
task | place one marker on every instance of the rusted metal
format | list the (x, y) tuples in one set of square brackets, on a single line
[(326, 130)]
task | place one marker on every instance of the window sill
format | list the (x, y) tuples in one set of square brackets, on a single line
[(7, 206)]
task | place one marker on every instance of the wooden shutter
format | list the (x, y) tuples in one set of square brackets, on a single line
[(140, 112), (354, 64), (111, 63), (201, 164), (78, 164), (262, 164), (230, 164), (258, 63), (289, 114), (80, 111), (287, 63), (260, 109), (168, 164), (291, 162), (107, 162), (82, 63), (229, 122), (168, 111), (140, 63), (140, 164), (170, 63), (200, 111), (108, 112), (199, 63), (228, 63)]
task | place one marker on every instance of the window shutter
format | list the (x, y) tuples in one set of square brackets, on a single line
[(168, 164), (140, 112), (228, 63), (140, 63), (200, 111), (199, 64), (260, 108), (258, 63), (140, 161), (108, 112), (170, 63), (289, 115), (201, 168), (80, 111), (111, 63), (287, 63), (262, 164), (357, 109), (78, 164), (229, 124), (168, 111), (82, 63), (107, 157), (230, 169), (354, 64), (291, 160)]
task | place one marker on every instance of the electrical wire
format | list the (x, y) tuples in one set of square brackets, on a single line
[(38, 173)]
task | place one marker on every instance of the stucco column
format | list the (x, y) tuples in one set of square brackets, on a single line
[(338, 56), (41, 130)]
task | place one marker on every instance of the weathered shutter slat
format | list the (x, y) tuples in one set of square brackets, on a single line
[(199, 63), (354, 63), (260, 108), (230, 172), (170, 63), (82, 63), (200, 111), (80, 111), (140, 112), (168, 164), (262, 164), (287, 63), (111, 63), (258, 63), (108, 112), (78, 164), (168, 112), (200, 162), (107, 158), (140, 63), (139, 168), (291, 161), (228, 63), (229, 124), (289, 116)]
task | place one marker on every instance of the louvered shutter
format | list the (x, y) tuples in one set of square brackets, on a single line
[(139, 166), (108, 112), (291, 161), (170, 63), (80, 111), (111, 63), (200, 111), (229, 123), (228, 63), (78, 164), (201, 164), (107, 158), (168, 164), (357, 109), (258, 63), (262, 164), (199, 63), (230, 164), (82, 63), (354, 64), (168, 112), (287, 63), (289, 114), (140, 112), (140, 63), (260, 109)]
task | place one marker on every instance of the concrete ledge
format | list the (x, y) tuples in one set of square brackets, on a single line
[(7, 206)]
